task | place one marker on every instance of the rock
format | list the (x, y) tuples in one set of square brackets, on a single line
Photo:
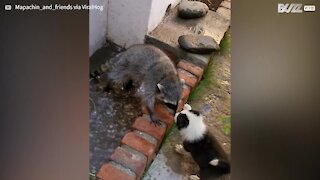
[(199, 44), (192, 9)]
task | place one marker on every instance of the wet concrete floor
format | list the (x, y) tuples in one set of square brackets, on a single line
[(111, 114)]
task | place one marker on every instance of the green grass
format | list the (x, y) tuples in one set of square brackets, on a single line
[(208, 81), (225, 43), (168, 134), (226, 120)]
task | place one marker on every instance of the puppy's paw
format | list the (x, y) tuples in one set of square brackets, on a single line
[(194, 177), (179, 149), (187, 107)]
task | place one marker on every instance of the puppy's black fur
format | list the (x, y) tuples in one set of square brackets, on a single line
[(203, 149)]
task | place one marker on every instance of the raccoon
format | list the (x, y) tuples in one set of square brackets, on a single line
[(151, 71), (202, 145)]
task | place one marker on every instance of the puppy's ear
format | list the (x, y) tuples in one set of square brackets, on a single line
[(182, 121), (187, 107)]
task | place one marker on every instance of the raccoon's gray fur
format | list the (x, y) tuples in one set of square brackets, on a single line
[(152, 72)]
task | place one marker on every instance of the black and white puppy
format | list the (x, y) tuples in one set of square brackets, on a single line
[(202, 145)]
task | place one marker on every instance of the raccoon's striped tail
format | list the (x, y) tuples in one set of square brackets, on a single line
[(223, 165)]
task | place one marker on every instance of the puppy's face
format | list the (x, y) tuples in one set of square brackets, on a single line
[(181, 120), (170, 90), (190, 124)]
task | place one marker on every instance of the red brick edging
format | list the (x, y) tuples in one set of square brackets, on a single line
[(138, 148)]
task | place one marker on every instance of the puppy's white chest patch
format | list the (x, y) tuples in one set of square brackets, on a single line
[(196, 129)]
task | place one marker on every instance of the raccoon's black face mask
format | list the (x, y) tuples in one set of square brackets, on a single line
[(170, 93), (171, 104), (173, 107)]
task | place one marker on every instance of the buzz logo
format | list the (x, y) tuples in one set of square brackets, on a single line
[(295, 8), (289, 8)]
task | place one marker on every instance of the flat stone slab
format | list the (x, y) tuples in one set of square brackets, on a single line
[(198, 43), (166, 35), (192, 9), (226, 4), (224, 12)]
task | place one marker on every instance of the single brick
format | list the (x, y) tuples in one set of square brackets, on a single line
[(130, 158), (144, 124), (140, 144), (191, 68), (151, 140), (146, 136), (184, 98), (163, 113), (190, 79), (112, 171)]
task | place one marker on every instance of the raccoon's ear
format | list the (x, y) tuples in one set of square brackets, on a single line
[(160, 87)]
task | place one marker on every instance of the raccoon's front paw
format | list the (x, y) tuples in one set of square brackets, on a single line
[(194, 177), (156, 122), (179, 149)]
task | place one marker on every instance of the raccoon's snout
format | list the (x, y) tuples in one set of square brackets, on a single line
[(173, 107)]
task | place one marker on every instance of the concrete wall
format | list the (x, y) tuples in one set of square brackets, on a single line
[(158, 10), (97, 25), (128, 21), (125, 22)]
